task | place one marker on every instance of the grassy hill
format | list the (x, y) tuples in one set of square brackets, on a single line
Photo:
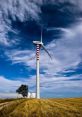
[(68, 107)]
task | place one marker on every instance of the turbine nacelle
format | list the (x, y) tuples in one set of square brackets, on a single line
[(38, 42), (42, 45)]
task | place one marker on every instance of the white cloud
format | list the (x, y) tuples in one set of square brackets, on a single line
[(9, 95), (4, 28), (24, 10), (67, 50), (66, 53), (26, 57), (8, 85), (21, 9), (61, 85), (48, 84)]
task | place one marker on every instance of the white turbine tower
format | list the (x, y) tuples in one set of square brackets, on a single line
[(39, 44)]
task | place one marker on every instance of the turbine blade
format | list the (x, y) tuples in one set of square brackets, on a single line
[(47, 51), (32, 58)]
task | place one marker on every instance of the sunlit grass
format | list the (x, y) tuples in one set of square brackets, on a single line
[(69, 107)]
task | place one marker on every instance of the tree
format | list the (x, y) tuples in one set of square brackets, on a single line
[(23, 90)]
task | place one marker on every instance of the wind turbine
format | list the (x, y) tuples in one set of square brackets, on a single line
[(38, 45)]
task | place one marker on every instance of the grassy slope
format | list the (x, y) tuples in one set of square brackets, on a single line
[(69, 107)]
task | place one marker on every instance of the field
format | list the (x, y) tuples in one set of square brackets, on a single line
[(66, 107)]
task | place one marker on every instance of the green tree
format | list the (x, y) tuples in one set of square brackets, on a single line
[(23, 90)]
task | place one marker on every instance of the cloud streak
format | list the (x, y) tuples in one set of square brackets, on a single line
[(66, 53), (26, 10)]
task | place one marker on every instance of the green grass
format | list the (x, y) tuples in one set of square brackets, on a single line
[(68, 107)]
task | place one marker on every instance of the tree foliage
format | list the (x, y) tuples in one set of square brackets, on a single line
[(23, 90)]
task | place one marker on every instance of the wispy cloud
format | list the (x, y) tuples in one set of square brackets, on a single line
[(25, 57), (66, 52), (23, 10), (47, 84), (8, 87), (5, 84), (4, 28)]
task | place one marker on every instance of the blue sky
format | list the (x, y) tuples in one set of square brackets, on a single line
[(20, 24)]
